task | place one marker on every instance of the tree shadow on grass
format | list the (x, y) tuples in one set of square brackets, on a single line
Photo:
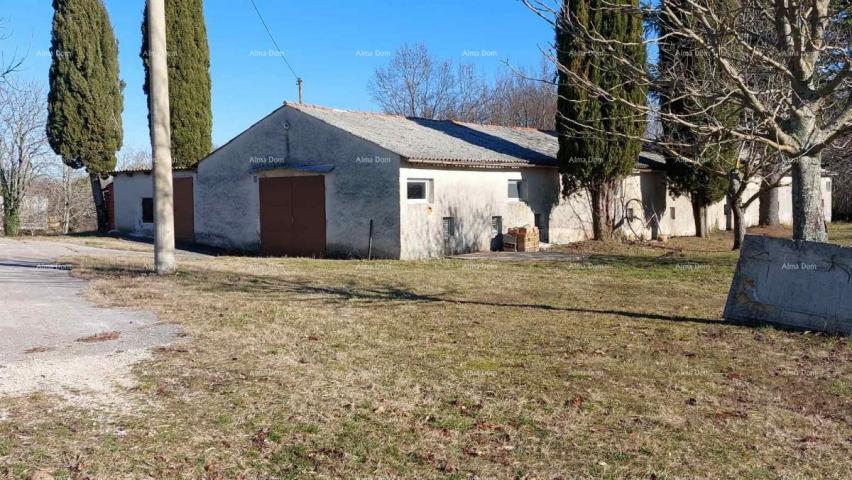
[(664, 261), (394, 295), (384, 295)]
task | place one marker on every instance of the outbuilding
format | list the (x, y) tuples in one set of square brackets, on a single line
[(130, 199), (315, 181)]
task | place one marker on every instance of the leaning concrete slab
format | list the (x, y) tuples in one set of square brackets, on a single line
[(803, 285)]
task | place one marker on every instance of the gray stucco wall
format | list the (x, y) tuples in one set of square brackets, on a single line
[(363, 185)]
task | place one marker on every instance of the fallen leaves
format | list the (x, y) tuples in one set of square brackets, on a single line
[(30, 351), (100, 337)]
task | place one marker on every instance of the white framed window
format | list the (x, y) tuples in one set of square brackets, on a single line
[(419, 190), (515, 190)]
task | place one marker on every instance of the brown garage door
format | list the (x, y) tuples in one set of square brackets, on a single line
[(184, 210), (292, 216)]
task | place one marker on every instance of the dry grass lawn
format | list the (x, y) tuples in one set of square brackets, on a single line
[(614, 367)]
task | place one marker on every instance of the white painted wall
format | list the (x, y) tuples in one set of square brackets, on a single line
[(683, 225), (471, 196), (786, 200), (129, 189)]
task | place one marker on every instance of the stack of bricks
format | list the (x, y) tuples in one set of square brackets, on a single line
[(522, 239)]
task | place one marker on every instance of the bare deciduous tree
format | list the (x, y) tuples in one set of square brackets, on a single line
[(69, 199), (522, 98), (418, 84), (134, 159), (415, 84), (786, 65), (8, 65), (469, 96), (24, 150)]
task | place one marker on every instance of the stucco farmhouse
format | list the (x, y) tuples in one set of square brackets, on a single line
[(314, 181)]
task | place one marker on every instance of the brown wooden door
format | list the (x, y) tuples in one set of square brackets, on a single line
[(184, 210), (292, 216)]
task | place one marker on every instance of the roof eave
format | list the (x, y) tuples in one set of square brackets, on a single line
[(475, 163)]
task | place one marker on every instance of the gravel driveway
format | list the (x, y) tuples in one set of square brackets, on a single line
[(53, 340)]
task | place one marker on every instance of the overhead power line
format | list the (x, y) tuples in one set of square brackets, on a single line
[(279, 51)]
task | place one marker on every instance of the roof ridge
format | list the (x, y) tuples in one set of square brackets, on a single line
[(300, 106)]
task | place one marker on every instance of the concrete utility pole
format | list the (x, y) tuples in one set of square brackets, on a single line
[(161, 143)]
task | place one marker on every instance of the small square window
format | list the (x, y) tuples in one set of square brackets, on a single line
[(515, 189), (672, 213), (631, 214), (147, 210), (418, 191)]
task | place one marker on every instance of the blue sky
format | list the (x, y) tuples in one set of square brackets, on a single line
[(321, 38)]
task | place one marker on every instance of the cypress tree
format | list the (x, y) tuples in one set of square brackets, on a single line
[(189, 80), (590, 159), (682, 65), (85, 100)]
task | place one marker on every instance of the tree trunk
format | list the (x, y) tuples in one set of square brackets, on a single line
[(601, 197), (100, 203), (699, 215), (770, 214), (66, 199), (808, 219), (739, 227), (769, 208), (11, 220), (734, 194)]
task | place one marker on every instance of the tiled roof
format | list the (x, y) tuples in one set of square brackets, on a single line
[(651, 161), (146, 170), (443, 141)]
